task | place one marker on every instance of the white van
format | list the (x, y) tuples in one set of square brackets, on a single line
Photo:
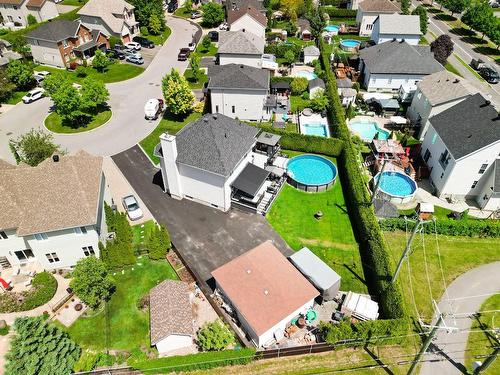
[(153, 108)]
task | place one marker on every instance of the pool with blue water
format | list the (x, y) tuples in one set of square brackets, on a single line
[(319, 130), (397, 184), (305, 74), (368, 130), (311, 170)]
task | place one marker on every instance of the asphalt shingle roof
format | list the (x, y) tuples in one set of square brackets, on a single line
[(241, 42), (55, 31), (106, 9), (311, 51), (215, 143), (383, 6), (316, 82), (399, 24), (399, 57), (238, 77), (235, 15), (468, 126), (444, 86)]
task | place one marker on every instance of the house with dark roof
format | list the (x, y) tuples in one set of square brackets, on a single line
[(61, 42), (215, 161), (52, 214), (388, 66), (368, 12), (241, 16), (15, 12), (240, 91), (434, 94), (240, 47), (401, 27), (461, 148)]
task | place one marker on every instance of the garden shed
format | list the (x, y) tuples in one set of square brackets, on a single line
[(326, 280)]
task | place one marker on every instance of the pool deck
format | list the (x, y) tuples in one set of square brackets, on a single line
[(315, 118)]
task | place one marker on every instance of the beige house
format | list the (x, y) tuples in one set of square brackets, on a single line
[(112, 17), (368, 12), (247, 19), (15, 12)]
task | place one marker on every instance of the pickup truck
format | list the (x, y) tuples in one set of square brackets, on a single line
[(183, 54)]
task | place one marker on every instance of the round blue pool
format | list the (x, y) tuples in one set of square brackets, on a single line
[(305, 74), (349, 44), (332, 28), (399, 187), (311, 173)]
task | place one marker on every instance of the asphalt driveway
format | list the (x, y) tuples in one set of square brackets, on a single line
[(205, 238)]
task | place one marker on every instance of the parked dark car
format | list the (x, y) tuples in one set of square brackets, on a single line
[(115, 54), (144, 42), (490, 75), (183, 54), (214, 36), (172, 6)]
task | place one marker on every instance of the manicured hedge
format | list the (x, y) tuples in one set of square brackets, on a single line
[(335, 3), (199, 361), (469, 228), (378, 265), (43, 288), (282, 79), (339, 13)]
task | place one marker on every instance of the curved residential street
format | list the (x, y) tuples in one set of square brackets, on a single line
[(127, 99), (467, 293)]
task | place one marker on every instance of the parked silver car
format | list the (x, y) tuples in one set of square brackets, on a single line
[(131, 205)]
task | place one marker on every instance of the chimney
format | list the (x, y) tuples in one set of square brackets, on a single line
[(55, 158), (169, 171)]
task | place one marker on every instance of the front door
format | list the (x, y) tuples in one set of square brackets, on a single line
[(126, 38), (24, 255)]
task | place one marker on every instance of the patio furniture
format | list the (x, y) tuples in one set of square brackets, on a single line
[(307, 112), (28, 282)]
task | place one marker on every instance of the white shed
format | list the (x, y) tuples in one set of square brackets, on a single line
[(311, 53)]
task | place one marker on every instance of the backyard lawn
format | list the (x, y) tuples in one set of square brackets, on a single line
[(331, 238), (54, 123), (202, 52), (141, 233), (169, 123), (128, 326), (16, 97), (202, 78), (297, 103), (114, 73)]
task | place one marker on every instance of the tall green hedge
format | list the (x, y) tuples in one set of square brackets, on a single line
[(334, 12), (377, 263)]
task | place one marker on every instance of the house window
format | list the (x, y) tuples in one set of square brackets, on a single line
[(24, 254), (232, 109), (41, 236), (473, 185), (3, 235), (427, 155), (434, 137), (483, 168), (444, 159), (80, 230), (88, 250), (52, 257), (369, 26)]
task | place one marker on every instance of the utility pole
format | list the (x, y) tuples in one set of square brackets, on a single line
[(426, 345), (489, 361), (407, 248), (377, 185)]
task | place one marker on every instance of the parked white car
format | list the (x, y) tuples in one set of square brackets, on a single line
[(224, 26), (33, 95), (131, 205), (40, 76), (192, 46), (133, 45)]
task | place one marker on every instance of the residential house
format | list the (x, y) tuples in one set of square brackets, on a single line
[(212, 159), (60, 42), (346, 92), (240, 47), (249, 19), (461, 148), (311, 53), (53, 213), (368, 12), (387, 66), (265, 290), (315, 86), (111, 17), (15, 12), (6, 53), (304, 29), (401, 27), (171, 316), (436, 93), (240, 91)]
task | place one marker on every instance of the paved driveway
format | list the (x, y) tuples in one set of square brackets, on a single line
[(127, 99), (206, 238)]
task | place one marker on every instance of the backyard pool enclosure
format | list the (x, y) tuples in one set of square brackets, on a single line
[(395, 186), (311, 173)]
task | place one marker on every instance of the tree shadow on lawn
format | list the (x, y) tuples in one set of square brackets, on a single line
[(462, 31), (445, 17), (488, 51), (432, 10), (351, 270), (85, 120), (473, 40)]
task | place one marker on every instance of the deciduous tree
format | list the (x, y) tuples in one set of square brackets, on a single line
[(21, 74), (206, 42), (213, 14), (456, 6), (319, 101), (100, 61), (34, 147), (442, 48), (6, 86), (289, 57), (178, 96), (145, 8), (215, 336), (154, 25), (194, 62), (405, 6), (479, 16), (299, 85), (93, 94)]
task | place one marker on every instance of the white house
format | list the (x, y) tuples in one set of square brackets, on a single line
[(387, 66), (247, 18), (489, 196), (240, 47), (265, 290), (112, 17), (311, 53), (346, 92), (171, 317), (315, 86), (460, 147), (436, 93), (368, 12), (52, 213), (353, 4), (388, 27), (240, 91), (15, 12)]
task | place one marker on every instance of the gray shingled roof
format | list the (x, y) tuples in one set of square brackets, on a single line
[(316, 82), (379, 6), (496, 178), (238, 77), (311, 51), (344, 83), (215, 143), (399, 24), (240, 42), (55, 31), (468, 126), (443, 86), (399, 57)]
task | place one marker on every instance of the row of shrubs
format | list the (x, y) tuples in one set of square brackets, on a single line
[(378, 265), (199, 361), (334, 3), (334, 12), (469, 228), (90, 360)]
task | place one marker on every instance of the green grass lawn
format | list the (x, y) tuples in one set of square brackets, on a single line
[(16, 97), (115, 73), (452, 69), (423, 41), (162, 38), (202, 79), (298, 104), (182, 12), (77, 3), (483, 343), (170, 124), (54, 123), (469, 68), (202, 52), (299, 41), (458, 255), (128, 326), (141, 232), (331, 238)]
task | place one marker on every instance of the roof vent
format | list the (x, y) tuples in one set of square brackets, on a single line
[(456, 80), (214, 116), (55, 158), (266, 292), (242, 66), (249, 271), (402, 40), (205, 119), (485, 104)]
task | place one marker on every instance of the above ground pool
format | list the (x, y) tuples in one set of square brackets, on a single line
[(319, 130), (399, 187), (305, 74), (332, 28), (311, 173), (349, 44), (367, 130)]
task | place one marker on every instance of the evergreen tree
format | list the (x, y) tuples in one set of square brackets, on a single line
[(424, 19)]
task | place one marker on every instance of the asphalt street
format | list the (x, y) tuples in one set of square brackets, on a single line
[(127, 98)]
